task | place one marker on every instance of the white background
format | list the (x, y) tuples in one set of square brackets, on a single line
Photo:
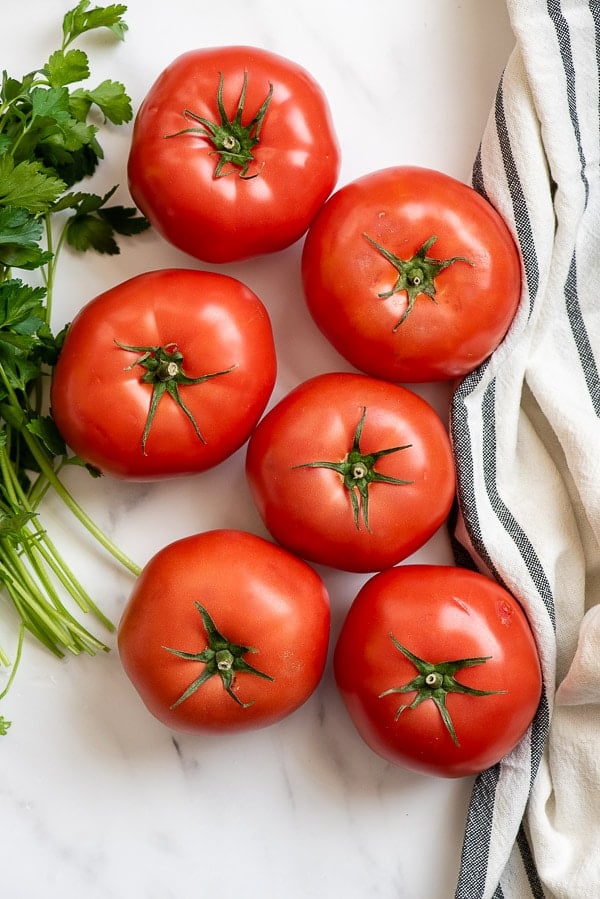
[(97, 799)]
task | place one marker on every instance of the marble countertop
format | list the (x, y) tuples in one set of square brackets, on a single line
[(97, 798)]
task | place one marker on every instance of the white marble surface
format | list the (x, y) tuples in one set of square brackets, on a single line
[(96, 798)]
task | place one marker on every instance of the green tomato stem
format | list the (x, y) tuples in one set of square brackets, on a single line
[(233, 141), (434, 681), (221, 657), (163, 369), (416, 275), (357, 470)]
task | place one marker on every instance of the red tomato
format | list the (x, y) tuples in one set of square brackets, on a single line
[(224, 631), (165, 374), (233, 153), (411, 275), (351, 472), (438, 669)]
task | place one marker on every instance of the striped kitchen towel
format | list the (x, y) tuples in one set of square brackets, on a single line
[(526, 433)]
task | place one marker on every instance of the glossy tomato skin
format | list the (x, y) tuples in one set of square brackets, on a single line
[(440, 613), (101, 404), (259, 596), (400, 208), (295, 167), (309, 509)]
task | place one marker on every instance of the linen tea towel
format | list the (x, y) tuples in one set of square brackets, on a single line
[(526, 433)]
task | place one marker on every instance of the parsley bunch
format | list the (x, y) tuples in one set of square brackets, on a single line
[(49, 130)]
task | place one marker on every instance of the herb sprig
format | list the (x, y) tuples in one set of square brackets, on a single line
[(50, 122)]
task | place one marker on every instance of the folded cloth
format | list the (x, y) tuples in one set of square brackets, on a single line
[(526, 433)]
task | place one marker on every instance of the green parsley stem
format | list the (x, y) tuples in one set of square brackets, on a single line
[(30, 566), (52, 478), (48, 270), (74, 507), (40, 610), (41, 617), (15, 665)]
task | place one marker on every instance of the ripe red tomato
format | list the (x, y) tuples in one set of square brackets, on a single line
[(233, 153), (224, 631), (165, 374), (351, 472), (411, 275), (438, 669)]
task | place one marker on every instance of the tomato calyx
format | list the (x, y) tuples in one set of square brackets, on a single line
[(233, 141), (434, 681), (415, 275), (164, 370), (221, 657), (357, 471)]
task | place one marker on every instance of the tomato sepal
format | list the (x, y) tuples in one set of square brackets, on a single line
[(434, 681), (416, 275), (221, 657), (233, 141), (357, 470), (164, 371)]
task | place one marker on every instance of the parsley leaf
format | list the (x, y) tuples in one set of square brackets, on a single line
[(20, 233), (110, 97), (12, 523), (21, 308), (124, 220), (52, 104), (67, 67), (90, 231), (45, 429), (18, 226), (81, 19), (22, 318), (28, 184), (94, 224)]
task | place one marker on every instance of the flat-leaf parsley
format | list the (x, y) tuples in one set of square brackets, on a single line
[(49, 142)]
